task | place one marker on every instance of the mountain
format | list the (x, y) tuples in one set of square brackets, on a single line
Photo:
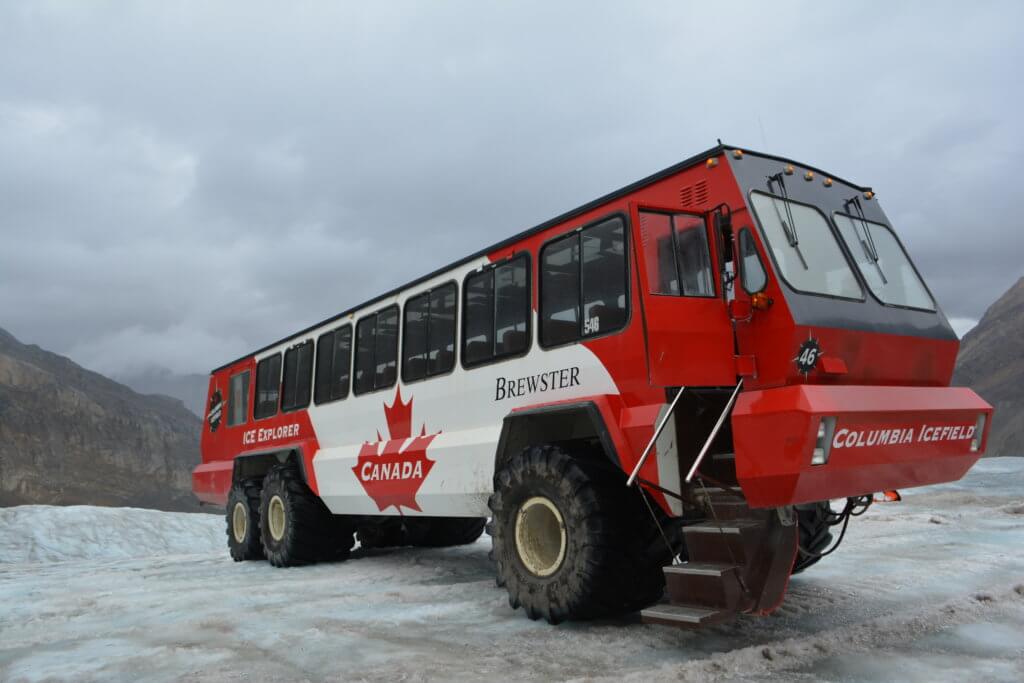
[(991, 362), (71, 436), (189, 389)]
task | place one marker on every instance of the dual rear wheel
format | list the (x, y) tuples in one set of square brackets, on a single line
[(280, 519)]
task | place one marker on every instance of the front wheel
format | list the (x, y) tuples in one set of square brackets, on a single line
[(569, 540)]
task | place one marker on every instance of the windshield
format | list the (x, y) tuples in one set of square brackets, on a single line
[(883, 263), (804, 247)]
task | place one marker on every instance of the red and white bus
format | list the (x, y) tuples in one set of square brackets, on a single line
[(663, 387)]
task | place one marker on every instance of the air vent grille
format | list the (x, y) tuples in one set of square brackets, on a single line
[(686, 196), (694, 195), (700, 193)]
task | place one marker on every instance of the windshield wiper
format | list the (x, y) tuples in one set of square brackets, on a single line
[(787, 227), (867, 243)]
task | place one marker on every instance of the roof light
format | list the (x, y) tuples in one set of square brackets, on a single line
[(737, 154), (789, 169), (712, 162), (827, 182), (808, 176), (869, 194)]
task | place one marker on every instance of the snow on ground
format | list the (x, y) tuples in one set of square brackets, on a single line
[(928, 589)]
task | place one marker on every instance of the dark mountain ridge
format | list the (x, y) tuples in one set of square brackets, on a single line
[(991, 362), (72, 436)]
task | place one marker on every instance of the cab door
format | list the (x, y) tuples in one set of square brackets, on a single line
[(689, 332)]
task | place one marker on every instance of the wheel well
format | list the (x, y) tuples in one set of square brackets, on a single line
[(256, 465), (579, 429)]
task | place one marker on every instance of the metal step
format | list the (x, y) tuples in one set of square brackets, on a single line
[(729, 541), (684, 616), (706, 584)]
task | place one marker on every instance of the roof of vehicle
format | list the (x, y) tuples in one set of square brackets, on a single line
[(568, 215)]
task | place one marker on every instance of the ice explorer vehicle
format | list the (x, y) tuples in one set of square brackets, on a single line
[(659, 389)]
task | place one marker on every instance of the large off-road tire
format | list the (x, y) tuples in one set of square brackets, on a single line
[(295, 526), (443, 532), (569, 540), (815, 534), (243, 521)]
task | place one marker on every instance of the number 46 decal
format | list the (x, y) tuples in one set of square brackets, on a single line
[(807, 356)]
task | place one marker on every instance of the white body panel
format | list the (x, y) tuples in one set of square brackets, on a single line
[(465, 406)]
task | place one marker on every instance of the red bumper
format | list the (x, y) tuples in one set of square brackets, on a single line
[(882, 438)]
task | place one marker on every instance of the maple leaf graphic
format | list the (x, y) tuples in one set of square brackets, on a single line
[(392, 471)]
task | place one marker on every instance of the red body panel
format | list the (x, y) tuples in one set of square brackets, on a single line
[(884, 438)]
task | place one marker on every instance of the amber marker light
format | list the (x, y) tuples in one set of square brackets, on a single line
[(869, 194), (737, 154), (760, 301), (808, 176), (712, 162), (827, 182), (789, 170)]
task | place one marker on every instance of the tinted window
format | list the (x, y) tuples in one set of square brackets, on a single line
[(560, 291), (752, 272), (238, 398), (333, 357), (804, 247), (414, 338), (603, 277), (268, 384), (428, 335), (441, 339), (298, 376), (376, 351), (478, 314), (584, 284), (883, 263), (496, 319), (677, 254)]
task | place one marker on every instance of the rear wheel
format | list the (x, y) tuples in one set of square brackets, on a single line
[(569, 539), (243, 521), (295, 526)]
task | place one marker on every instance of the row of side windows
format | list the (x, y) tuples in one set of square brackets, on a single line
[(584, 293)]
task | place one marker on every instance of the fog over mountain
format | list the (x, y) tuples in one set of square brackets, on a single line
[(184, 182)]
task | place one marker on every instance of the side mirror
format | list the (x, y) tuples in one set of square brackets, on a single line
[(740, 310)]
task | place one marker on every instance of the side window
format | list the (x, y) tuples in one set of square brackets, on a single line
[(376, 351), (752, 274), (268, 385), (238, 398), (677, 254), (584, 284), (298, 376), (333, 358), (428, 335), (496, 314)]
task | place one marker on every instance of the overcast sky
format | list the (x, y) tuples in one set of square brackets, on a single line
[(183, 182)]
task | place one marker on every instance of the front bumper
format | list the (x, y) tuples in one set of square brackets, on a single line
[(882, 438)]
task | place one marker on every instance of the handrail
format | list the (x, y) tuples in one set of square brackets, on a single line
[(714, 432), (657, 433)]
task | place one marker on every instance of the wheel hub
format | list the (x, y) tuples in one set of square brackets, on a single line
[(540, 536), (276, 518), (239, 522)]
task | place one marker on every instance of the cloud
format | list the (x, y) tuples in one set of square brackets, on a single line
[(184, 182)]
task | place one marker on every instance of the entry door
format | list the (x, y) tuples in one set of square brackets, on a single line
[(689, 334)]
